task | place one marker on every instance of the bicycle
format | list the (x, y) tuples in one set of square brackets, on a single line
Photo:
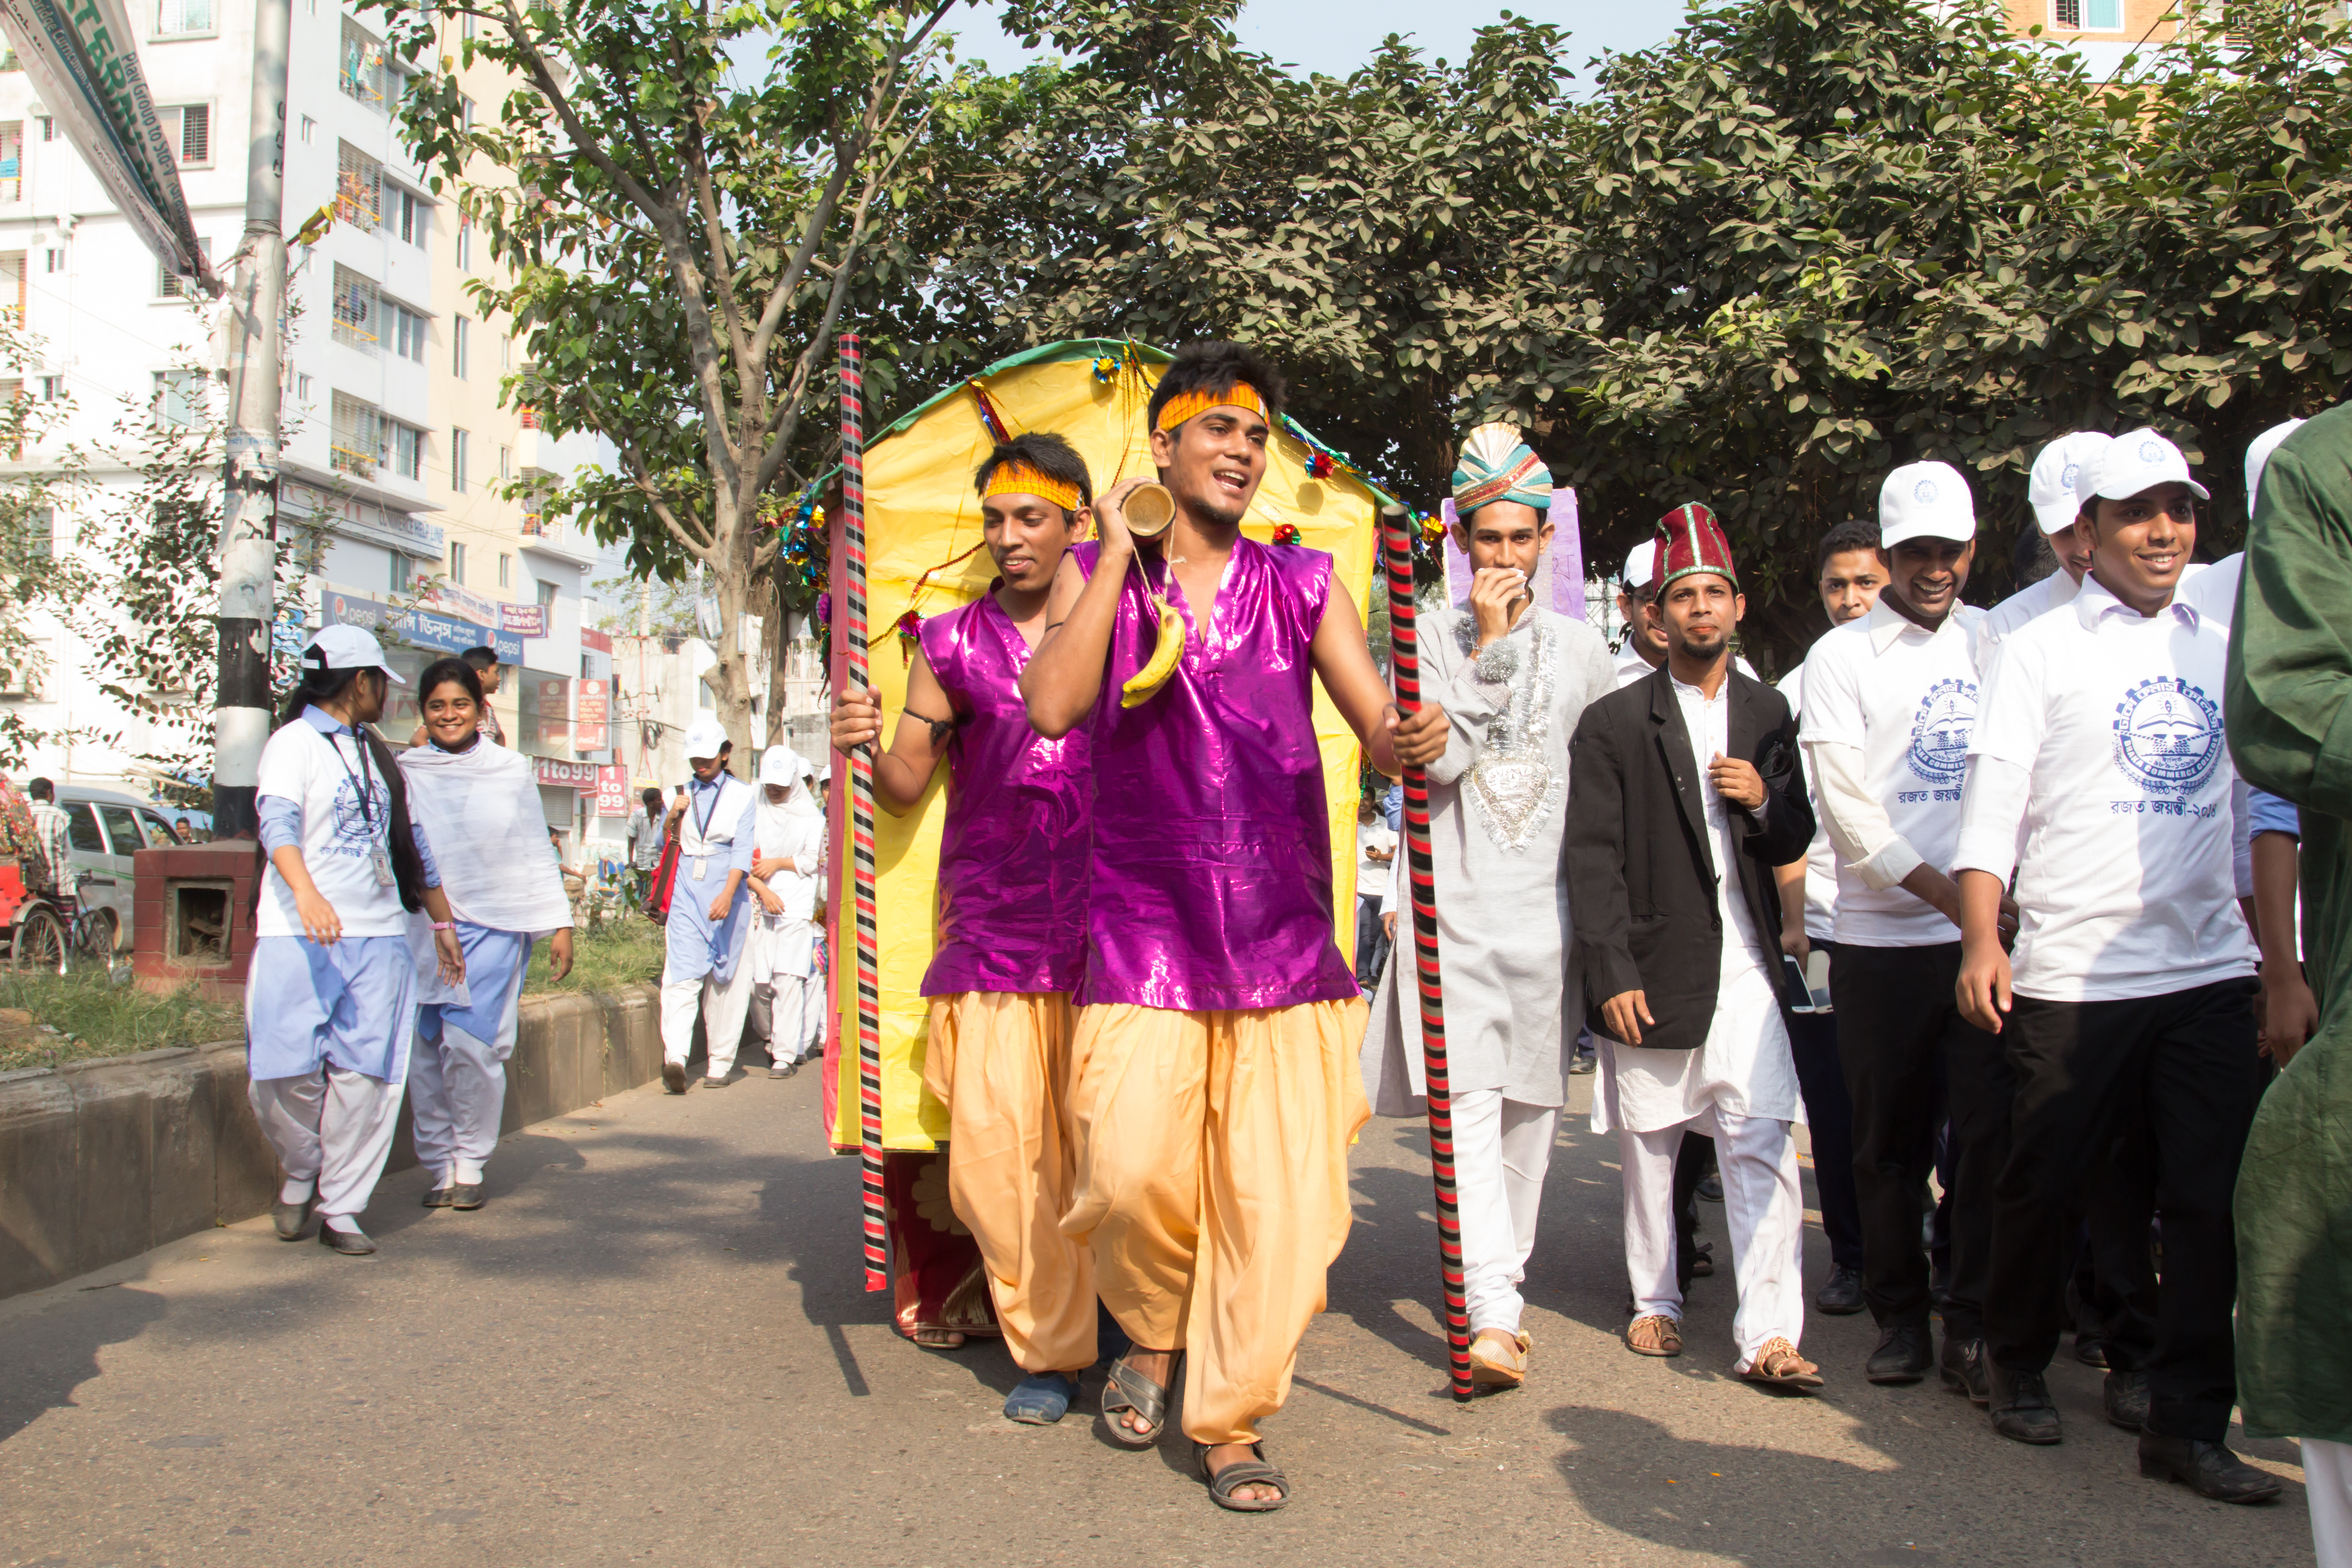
[(49, 932)]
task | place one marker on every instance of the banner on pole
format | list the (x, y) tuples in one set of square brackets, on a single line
[(83, 63)]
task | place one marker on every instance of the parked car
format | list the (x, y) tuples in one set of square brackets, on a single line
[(104, 828)]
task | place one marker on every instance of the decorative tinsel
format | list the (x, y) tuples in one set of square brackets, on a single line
[(1318, 465)]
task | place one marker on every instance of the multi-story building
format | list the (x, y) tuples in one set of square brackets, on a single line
[(398, 452)]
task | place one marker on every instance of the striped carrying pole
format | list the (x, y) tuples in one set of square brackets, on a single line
[(861, 814), (1405, 659)]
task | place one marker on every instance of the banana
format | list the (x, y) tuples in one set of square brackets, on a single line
[(1140, 687)]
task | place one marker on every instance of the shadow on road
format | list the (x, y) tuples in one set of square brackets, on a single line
[(44, 1367)]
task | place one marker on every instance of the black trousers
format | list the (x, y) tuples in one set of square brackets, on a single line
[(1909, 1056), (1829, 1119), (2085, 1073)]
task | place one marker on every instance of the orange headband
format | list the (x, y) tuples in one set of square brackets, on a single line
[(1192, 404), (1020, 480)]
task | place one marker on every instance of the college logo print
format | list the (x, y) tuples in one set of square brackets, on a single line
[(2167, 736), (1940, 731)]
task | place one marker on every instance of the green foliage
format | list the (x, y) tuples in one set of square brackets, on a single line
[(83, 1014)]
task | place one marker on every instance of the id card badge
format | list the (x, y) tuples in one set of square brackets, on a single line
[(379, 862), (696, 875)]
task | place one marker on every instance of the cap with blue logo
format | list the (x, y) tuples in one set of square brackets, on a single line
[(2135, 463), (1925, 500), (2058, 468)]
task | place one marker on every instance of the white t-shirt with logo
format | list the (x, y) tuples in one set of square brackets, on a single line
[(2029, 603), (1905, 698), (2099, 771), (1371, 873), (300, 764)]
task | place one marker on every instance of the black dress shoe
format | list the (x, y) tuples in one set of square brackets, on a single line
[(1964, 1369), (349, 1243), (1710, 1188), (1841, 1294), (2090, 1350), (2209, 1469), (784, 1070), (674, 1076), (1904, 1353), (438, 1198), (294, 1221), (2020, 1406), (727, 1082), (466, 1195), (2126, 1397)]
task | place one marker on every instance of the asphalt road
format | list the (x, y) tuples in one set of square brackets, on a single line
[(653, 1346)]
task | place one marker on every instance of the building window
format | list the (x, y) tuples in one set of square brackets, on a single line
[(506, 462), (179, 398), (363, 73), (408, 451), (457, 459), (301, 386), (403, 572), (359, 188), (407, 331), (169, 285), (182, 18), (412, 219), (457, 564), (354, 437), (547, 596), (465, 243), (309, 125), (460, 345), (48, 127), (55, 258), (53, 387), (506, 570), (189, 127), (358, 310), (12, 161), (2088, 15)]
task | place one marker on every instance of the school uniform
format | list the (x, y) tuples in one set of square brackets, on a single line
[(703, 970), (327, 1025), (2098, 770), (1889, 708)]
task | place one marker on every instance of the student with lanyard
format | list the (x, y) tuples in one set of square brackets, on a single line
[(716, 822), (2098, 770), (330, 998), (478, 801)]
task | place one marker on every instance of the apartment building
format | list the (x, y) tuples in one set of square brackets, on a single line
[(397, 450)]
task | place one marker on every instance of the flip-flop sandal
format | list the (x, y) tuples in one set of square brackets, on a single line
[(1241, 1473), (1777, 1365), (1498, 1364), (1131, 1390)]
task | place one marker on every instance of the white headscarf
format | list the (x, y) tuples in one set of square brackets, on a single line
[(481, 814), (783, 766)]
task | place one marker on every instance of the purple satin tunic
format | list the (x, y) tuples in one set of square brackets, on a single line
[(1212, 877), (1013, 854)]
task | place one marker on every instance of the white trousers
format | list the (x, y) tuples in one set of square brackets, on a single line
[(1501, 1151), (457, 1092), (331, 1128), (794, 1016), (2327, 1482), (722, 1008), (1763, 1207)]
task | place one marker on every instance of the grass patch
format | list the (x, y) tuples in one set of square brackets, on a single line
[(93, 1019), (603, 960)]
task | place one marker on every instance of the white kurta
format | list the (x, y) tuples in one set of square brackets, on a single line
[(1744, 1066), (1497, 811)]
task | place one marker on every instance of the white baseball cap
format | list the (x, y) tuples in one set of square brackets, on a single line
[(2136, 462), (2258, 457), (1925, 500), (348, 647), (780, 765), (705, 738), (2057, 469), (1638, 564)]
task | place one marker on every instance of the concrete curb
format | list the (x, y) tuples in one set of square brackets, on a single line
[(101, 1160)]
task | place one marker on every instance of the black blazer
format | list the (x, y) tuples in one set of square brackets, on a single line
[(1640, 874)]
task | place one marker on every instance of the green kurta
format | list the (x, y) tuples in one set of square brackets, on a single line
[(2290, 732)]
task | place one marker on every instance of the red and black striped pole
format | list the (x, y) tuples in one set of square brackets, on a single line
[(1404, 660), (861, 814)]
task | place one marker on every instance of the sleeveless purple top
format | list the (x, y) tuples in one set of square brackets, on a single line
[(1013, 854), (1210, 887)]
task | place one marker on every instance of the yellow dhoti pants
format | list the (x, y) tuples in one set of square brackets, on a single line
[(1213, 1186), (999, 1062)]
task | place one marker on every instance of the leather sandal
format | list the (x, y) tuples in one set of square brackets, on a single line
[(1498, 1363), (1656, 1334), (1778, 1364), (1131, 1390), (1241, 1473)]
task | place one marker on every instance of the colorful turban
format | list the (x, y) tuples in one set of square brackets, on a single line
[(1496, 464), (1689, 540)]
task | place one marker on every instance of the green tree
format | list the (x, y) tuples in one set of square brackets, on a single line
[(679, 245)]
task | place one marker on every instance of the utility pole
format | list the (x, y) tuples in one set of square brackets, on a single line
[(248, 534)]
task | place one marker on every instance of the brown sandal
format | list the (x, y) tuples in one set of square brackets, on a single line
[(1499, 1362), (1656, 1334), (1779, 1366)]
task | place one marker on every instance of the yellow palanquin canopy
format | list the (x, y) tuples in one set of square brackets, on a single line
[(921, 516)]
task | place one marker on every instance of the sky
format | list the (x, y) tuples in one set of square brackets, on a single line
[(1335, 36)]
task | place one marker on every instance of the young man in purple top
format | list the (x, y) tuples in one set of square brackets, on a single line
[(1012, 884), (1213, 1083)]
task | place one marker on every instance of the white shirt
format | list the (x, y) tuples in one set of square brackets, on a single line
[(2027, 603), (1707, 721), (340, 839), (1371, 873), (1821, 860), (2214, 591), (1889, 708), (2098, 769), (1631, 666)]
